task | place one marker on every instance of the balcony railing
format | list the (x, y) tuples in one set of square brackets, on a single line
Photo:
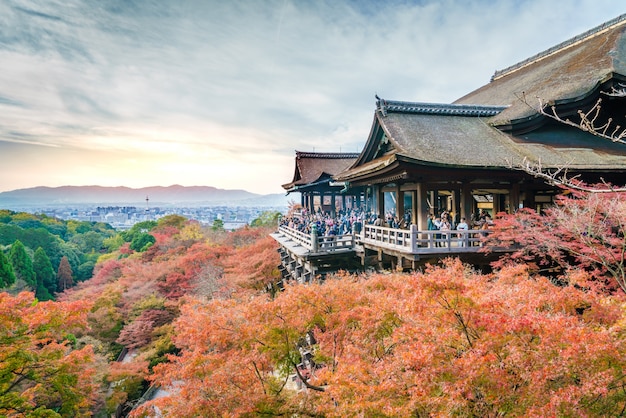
[(410, 241)]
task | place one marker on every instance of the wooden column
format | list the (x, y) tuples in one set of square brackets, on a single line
[(467, 201), (380, 197), (514, 198), (456, 204), (421, 204), (333, 205), (399, 203), (414, 199)]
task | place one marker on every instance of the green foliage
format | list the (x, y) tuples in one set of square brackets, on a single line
[(138, 229), (89, 241), (22, 264), (218, 225), (113, 243), (268, 218), (7, 277), (141, 242), (176, 221), (44, 273)]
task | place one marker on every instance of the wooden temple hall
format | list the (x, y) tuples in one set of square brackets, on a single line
[(422, 158)]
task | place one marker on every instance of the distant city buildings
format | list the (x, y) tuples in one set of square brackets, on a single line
[(124, 217)]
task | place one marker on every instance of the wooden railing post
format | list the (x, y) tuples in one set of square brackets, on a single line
[(314, 242), (413, 238)]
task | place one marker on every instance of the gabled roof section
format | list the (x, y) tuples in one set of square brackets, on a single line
[(568, 72), (382, 142), (433, 134), (311, 167), (451, 136)]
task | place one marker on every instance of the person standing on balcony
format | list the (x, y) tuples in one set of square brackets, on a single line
[(462, 226)]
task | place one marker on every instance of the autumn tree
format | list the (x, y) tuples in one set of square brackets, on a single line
[(583, 230), (44, 274), (448, 341), (22, 264), (7, 277), (65, 279), (41, 374)]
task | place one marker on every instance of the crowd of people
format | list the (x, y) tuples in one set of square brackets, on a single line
[(352, 220)]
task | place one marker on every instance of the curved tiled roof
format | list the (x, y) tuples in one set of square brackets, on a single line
[(312, 166), (568, 72)]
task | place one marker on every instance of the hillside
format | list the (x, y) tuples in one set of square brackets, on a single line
[(158, 195)]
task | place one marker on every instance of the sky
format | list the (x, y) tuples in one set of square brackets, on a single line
[(222, 93)]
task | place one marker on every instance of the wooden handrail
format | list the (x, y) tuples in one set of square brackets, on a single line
[(410, 240)]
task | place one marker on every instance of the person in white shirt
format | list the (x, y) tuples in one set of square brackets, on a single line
[(462, 226)]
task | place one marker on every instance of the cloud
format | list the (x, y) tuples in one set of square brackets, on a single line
[(246, 83)]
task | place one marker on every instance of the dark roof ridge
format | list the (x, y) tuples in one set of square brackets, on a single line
[(327, 155), (394, 106), (563, 45)]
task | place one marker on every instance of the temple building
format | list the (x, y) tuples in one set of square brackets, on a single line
[(562, 110), (313, 179), (462, 157)]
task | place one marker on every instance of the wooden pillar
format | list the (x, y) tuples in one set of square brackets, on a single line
[(514, 198), (380, 196), (333, 205), (414, 199), (456, 204), (302, 200), (399, 203), (312, 203), (343, 202), (496, 203), (421, 205), (467, 202), (434, 201)]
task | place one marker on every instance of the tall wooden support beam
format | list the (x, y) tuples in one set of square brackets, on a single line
[(467, 201), (514, 199), (399, 203), (422, 206), (456, 204), (380, 201)]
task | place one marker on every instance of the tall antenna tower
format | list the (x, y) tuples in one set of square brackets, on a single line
[(147, 204)]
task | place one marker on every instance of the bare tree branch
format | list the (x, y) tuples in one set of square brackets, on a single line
[(588, 122), (559, 177)]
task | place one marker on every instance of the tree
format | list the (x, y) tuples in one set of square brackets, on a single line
[(448, 341), (141, 242), (581, 231), (218, 225), (7, 277), (41, 374), (44, 273), (268, 218), (64, 275), (22, 264)]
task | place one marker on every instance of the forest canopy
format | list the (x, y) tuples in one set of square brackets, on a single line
[(198, 316)]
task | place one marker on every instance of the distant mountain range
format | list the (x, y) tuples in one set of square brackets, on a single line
[(125, 196)]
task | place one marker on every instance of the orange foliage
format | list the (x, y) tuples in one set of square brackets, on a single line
[(448, 341), (39, 370)]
